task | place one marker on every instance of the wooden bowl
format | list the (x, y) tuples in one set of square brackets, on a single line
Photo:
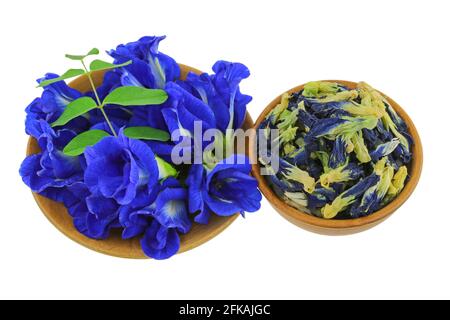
[(340, 227), (114, 245)]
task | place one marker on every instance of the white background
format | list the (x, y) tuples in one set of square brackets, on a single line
[(399, 47)]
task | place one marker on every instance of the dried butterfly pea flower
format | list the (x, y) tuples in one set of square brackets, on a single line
[(329, 136), (279, 109), (356, 109), (288, 119), (294, 173), (373, 197), (349, 196), (398, 182), (384, 149), (320, 197), (297, 200), (287, 135), (346, 126), (339, 153), (297, 157), (319, 88), (344, 173), (339, 96), (360, 148)]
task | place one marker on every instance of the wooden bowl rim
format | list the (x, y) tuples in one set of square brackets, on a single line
[(303, 218), (127, 248)]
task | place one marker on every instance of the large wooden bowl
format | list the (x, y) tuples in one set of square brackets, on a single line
[(340, 227), (115, 245)]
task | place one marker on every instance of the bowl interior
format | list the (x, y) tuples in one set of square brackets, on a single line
[(114, 245), (336, 227)]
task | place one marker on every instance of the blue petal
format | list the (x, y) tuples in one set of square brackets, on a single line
[(323, 127), (171, 210), (189, 108), (137, 74), (226, 81), (120, 168), (221, 207), (359, 188), (195, 181), (57, 95), (160, 242), (163, 68), (338, 155)]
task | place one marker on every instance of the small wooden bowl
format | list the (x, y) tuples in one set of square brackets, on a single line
[(340, 227), (114, 245)]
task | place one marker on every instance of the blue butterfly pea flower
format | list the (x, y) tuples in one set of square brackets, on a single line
[(225, 190), (320, 197), (160, 242), (324, 127), (371, 138), (349, 196), (150, 69), (120, 168), (50, 105), (184, 110), (339, 154), (221, 92), (137, 216), (171, 209), (298, 157), (384, 149), (49, 171), (159, 69), (226, 80), (159, 218), (93, 215)]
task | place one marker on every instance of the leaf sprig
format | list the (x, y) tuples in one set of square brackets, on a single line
[(126, 96)]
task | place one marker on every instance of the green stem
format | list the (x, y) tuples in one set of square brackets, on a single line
[(99, 103)]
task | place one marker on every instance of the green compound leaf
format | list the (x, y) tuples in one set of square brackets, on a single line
[(66, 75), (93, 51), (98, 65), (78, 144), (75, 109), (146, 133), (135, 96)]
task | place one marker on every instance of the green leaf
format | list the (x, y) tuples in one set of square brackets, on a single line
[(146, 133), (75, 109), (93, 51), (135, 96), (78, 144), (66, 75), (97, 65)]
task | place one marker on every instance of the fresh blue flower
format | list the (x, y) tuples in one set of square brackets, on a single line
[(221, 92), (171, 208), (120, 168), (49, 171), (93, 215), (161, 68), (184, 110), (50, 105), (150, 69), (160, 242), (225, 190)]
